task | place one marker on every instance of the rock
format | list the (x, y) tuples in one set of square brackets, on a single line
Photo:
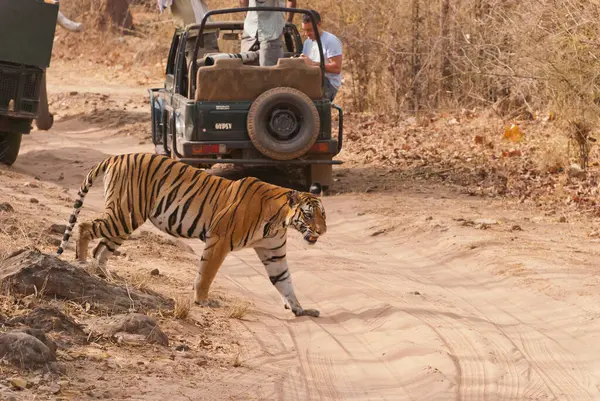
[(6, 207), (18, 383), (48, 318), (182, 347), (24, 350), (34, 200), (516, 227), (26, 270), (30, 185), (488, 222), (575, 171), (52, 388), (119, 326), (40, 335), (54, 241), (155, 272), (58, 228)]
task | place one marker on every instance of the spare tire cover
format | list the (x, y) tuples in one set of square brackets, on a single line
[(283, 123)]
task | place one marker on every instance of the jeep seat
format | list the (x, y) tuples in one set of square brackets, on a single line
[(231, 80)]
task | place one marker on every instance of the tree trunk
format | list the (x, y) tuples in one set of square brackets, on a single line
[(416, 56), (118, 12), (445, 64)]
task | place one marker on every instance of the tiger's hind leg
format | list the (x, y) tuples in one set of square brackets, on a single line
[(109, 242), (105, 249), (274, 260), (212, 258)]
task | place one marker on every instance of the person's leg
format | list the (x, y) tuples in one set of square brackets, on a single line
[(270, 52), (247, 42), (329, 91)]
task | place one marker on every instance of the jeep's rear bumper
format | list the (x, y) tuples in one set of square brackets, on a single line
[(322, 151)]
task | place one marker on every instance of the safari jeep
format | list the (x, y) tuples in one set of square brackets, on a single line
[(225, 108), (26, 37)]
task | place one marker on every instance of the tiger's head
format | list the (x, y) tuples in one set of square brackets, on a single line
[(307, 213)]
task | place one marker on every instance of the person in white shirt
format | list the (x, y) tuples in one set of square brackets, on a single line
[(332, 51), (266, 28), (192, 12)]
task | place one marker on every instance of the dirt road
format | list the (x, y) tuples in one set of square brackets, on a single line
[(419, 299)]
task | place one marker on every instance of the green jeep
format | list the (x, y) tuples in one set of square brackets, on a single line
[(26, 37), (225, 108)]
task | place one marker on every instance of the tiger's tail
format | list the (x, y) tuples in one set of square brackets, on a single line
[(100, 168)]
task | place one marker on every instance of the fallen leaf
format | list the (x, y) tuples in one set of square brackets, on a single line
[(513, 133)]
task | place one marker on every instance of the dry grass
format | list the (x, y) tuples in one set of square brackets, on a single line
[(553, 155), (183, 305), (580, 136), (141, 280), (238, 310)]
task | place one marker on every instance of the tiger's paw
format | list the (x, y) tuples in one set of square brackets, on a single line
[(211, 303), (307, 312)]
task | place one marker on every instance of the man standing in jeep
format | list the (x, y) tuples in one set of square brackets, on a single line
[(332, 51), (265, 28)]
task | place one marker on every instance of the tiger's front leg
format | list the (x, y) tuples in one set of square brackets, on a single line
[(274, 260), (211, 260)]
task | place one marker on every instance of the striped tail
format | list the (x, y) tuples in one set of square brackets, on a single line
[(83, 190)]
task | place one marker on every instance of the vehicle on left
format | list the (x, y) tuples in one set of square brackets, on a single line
[(27, 30)]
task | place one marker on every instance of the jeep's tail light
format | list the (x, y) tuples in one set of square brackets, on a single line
[(320, 148), (209, 149)]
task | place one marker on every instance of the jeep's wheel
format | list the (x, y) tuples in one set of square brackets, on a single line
[(9, 147), (283, 123)]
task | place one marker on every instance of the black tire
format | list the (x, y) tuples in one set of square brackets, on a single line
[(9, 147), (283, 123)]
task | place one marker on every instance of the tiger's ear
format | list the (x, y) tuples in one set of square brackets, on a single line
[(293, 198), (316, 189)]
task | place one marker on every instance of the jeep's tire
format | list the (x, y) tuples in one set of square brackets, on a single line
[(10, 143), (283, 123)]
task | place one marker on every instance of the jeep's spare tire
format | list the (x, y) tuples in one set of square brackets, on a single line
[(283, 123)]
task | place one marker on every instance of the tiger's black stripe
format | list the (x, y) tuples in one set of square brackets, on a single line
[(186, 202)]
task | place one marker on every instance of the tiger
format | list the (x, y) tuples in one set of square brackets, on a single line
[(187, 202)]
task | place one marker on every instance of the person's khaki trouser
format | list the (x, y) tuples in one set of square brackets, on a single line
[(270, 50)]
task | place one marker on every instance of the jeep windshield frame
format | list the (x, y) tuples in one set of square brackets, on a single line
[(200, 38)]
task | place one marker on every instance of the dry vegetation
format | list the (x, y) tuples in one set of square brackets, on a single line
[(429, 88)]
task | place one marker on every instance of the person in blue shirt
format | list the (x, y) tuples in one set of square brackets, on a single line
[(332, 50)]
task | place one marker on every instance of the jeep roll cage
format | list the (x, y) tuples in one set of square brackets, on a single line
[(200, 38)]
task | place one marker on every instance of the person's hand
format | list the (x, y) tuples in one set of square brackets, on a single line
[(307, 60)]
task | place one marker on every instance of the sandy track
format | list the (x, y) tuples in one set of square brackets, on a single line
[(427, 310), (412, 321)]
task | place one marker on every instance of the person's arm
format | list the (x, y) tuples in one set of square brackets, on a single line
[(332, 65), (291, 4)]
